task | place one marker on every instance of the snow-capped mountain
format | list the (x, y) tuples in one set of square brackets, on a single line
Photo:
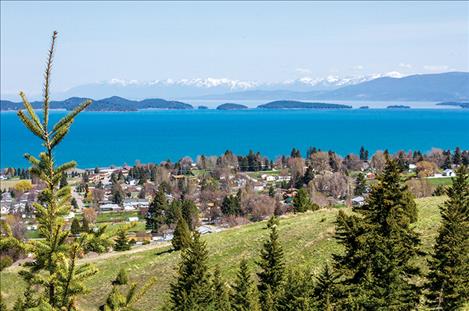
[(197, 87)]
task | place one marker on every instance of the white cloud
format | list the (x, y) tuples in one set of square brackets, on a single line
[(404, 65), (358, 67), (435, 68), (303, 71)]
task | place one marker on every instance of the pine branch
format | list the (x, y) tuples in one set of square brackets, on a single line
[(68, 119), (47, 78)]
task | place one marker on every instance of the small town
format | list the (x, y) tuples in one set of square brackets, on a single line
[(225, 191)]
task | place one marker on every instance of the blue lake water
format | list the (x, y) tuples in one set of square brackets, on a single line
[(112, 138)]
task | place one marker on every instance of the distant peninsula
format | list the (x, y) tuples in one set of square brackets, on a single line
[(398, 107), (454, 104), (114, 103), (291, 104), (231, 106), (202, 107)]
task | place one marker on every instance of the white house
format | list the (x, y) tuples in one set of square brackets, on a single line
[(449, 173), (358, 201)]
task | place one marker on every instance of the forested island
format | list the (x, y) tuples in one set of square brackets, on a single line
[(454, 104), (291, 104), (398, 107), (114, 103), (231, 106)]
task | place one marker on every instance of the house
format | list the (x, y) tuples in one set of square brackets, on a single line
[(449, 173), (358, 201), (109, 207), (412, 167)]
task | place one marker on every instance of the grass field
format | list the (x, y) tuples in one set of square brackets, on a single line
[(10, 183), (307, 240), (444, 181)]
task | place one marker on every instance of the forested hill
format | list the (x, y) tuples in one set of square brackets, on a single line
[(291, 104), (231, 106), (114, 103)]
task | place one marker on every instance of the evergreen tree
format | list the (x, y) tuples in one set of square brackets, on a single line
[(122, 278), (19, 305), (243, 297), (63, 181), (325, 290), (156, 214), (302, 202), (54, 271), (449, 266), (363, 154), (74, 204), (85, 225), (231, 205), (360, 184), (309, 175), (272, 268), (190, 213), (191, 290), (122, 242), (221, 296), (457, 156), (271, 191), (380, 248), (182, 235), (75, 226), (117, 194), (118, 301), (298, 291)]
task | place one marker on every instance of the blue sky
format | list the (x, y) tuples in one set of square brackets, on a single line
[(260, 41)]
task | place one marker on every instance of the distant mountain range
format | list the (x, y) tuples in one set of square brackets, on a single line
[(450, 86), (442, 87)]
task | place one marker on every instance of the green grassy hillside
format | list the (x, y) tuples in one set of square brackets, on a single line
[(307, 240)]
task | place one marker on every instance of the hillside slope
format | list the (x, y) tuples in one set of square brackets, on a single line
[(307, 240)]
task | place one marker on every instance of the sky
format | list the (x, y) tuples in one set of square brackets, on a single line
[(248, 41)]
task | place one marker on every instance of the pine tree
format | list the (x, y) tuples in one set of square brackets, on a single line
[(155, 217), (122, 242), (380, 247), (457, 156), (243, 297), (182, 235), (118, 301), (54, 272), (297, 294), (231, 206), (449, 266), (191, 290), (325, 290), (272, 268), (75, 226), (85, 226), (19, 305), (360, 184), (302, 202), (221, 296), (122, 278), (271, 191), (190, 213), (309, 175)]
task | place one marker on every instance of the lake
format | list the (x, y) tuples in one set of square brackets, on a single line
[(113, 138)]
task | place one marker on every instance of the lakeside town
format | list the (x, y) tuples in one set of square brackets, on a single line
[(224, 191)]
